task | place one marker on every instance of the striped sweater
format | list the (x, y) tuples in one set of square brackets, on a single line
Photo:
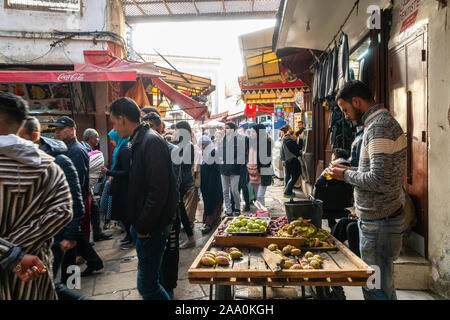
[(35, 204), (379, 179)]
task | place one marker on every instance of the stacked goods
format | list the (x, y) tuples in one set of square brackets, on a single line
[(222, 258), (315, 237), (307, 262), (243, 224), (276, 225)]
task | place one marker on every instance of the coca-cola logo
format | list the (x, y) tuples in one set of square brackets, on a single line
[(73, 77)]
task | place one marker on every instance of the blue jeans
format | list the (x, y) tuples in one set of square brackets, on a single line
[(150, 253), (380, 245)]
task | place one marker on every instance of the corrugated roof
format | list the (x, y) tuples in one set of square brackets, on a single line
[(167, 9)]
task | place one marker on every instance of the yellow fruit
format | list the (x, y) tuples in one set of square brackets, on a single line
[(236, 255), (273, 247), (208, 261)]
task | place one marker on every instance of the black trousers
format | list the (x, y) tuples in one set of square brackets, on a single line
[(347, 229), (62, 260), (292, 174), (243, 185), (95, 217), (171, 257)]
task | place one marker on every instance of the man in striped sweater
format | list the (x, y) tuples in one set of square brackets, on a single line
[(35, 204), (377, 184)]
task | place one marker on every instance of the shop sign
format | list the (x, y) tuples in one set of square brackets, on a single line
[(70, 77), (409, 10)]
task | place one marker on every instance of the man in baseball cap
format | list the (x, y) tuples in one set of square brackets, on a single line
[(65, 131)]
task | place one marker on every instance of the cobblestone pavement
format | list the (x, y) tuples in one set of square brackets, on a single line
[(118, 279)]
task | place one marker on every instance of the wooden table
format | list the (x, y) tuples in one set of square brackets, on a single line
[(340, 267)]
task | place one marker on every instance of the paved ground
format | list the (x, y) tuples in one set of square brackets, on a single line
[(118, 279)]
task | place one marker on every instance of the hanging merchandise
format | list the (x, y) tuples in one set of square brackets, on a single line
[(138, 94), (308, 120), (341, 129), (343, 62)]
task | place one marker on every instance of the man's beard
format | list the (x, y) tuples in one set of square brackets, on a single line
[(358, 116)]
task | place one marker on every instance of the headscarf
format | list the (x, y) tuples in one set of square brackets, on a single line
[(207, 151), (119, 143)]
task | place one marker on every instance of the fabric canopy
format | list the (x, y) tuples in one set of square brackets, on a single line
[(10, 76), (101, 61), (193, 108)]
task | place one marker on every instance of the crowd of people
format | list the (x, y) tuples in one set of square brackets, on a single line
[(55, 191)]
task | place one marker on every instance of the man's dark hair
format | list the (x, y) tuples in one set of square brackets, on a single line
[(340, 153), (355, 88), (14, 107), (127, 108), (31, 125), (231, 125), (154, 117), (183, 125), (148, 110)]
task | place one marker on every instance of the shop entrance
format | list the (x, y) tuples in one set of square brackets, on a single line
[(409, 105)]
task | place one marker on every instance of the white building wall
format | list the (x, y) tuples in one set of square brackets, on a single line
[(438, 20), (27, 34)]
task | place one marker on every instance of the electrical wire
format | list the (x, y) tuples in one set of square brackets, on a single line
[(27, 61)]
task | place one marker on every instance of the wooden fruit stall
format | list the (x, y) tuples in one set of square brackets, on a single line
[(340, 266)]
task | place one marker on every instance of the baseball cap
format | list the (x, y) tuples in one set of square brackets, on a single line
[(65, 121)]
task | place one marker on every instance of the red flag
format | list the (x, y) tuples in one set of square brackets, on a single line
[(250, 111), (264, 109)]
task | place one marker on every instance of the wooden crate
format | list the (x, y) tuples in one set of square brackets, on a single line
[(260, 241), (340, 267)]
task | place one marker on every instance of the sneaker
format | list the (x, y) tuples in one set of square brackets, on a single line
[(127, 245), (206, 229), (289, 195), (126, 239), (187, 244), (247, 207)]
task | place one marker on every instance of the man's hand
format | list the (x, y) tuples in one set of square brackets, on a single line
[(29, 268), (67, 244), (337, 173), (143, 236), (104, 170)]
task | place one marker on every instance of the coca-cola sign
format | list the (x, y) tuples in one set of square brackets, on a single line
[(70, 77)]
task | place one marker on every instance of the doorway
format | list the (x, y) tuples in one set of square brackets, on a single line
[(408, 65)]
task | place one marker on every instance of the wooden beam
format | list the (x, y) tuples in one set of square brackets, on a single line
[(224, 8), (167, 7), (195, 6), (139, 8), (253, 5)]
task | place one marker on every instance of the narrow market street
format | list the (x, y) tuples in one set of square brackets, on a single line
[(118, 279)]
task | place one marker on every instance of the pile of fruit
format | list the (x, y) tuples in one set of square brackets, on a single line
[(276, 225), (222, 258), (315, 237), (243, 224), (308, 261)]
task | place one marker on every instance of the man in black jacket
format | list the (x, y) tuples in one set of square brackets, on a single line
[(152, 194), (65, 131)]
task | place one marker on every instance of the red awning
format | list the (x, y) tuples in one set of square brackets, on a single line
[(102, 61), (193, 108), (64, 76)]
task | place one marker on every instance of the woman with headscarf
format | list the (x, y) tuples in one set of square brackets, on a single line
[(258, 173), (187, 185), (118, 189), (210, 186)]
